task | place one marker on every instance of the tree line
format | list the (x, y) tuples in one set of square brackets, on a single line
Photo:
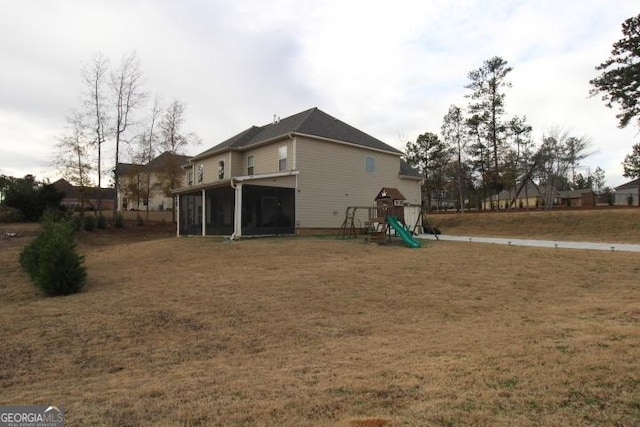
[(481, 150)]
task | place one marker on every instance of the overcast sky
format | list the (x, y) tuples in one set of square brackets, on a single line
[(391, 69)]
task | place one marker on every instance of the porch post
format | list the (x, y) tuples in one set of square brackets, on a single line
[(177, 205), (204, 213), (237, 216)]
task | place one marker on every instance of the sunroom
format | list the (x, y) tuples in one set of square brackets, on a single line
[(243, 206)]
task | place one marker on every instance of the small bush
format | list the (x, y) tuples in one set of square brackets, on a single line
[(30, 255), (89, 223), (119, 221), (101, 223), (52, 261), (139, 221)]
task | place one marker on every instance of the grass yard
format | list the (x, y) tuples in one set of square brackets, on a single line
[(595, 225), (317, 331)]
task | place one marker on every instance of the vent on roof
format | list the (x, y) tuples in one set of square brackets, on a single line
[(276, 119)]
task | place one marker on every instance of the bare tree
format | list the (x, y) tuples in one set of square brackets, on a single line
[(172, 140), (454, 134), (599, 180), (517, 165), (72, 159), (95, 76), (127, 96), (148, 144), (559, 153)]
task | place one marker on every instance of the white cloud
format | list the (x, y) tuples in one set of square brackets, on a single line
[(390, 69)]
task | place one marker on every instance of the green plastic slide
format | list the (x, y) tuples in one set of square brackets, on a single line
[(402, 232)]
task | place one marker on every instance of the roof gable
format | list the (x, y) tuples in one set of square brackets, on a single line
[(164, 160), (313, 122), (572, 194), (390, 193), (531, 189), (167, 159)]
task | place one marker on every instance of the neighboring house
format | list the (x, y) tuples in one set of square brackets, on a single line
[(584, 197), (528, 198), (92, 195), (150, 184), (628, 193), (296, 175)]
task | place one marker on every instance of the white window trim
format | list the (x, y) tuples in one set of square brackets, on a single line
[(251, 165), (281, 158)]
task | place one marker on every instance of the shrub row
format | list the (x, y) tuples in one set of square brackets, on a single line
[(51, 259)]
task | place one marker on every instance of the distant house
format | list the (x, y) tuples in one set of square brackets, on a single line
[(73, 196), (295, 175), (628, 193), (532, 196), (528, 198), (160, 175), (584, 197)]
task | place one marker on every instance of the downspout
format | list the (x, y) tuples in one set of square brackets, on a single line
[(176, 200), (204, 213), (294, 166), (237, 212)]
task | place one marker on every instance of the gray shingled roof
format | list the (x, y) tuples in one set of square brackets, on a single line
[(167, 159), (629, 185), (310, 122), (158, 163)]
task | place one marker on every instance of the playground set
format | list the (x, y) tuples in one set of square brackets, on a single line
[(384, 220)]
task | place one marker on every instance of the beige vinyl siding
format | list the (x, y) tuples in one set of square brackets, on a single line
[(238, 165), (266, 157), (210, 171), (158, 197), (332, 177)]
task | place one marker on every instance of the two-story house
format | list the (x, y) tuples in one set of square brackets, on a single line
[(295, 175), (149, 185)]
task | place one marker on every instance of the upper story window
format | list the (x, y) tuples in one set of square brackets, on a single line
[(370, 164), (250, 165), (221, 169), (282, 158), (200, 173), (190, 178)]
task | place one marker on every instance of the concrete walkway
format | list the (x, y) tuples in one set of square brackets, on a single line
[(613, 247)]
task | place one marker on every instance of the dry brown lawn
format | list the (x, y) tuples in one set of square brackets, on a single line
[(317, 331), (597, 225)]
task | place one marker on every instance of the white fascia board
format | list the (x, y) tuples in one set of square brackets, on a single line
[(246, 178)]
